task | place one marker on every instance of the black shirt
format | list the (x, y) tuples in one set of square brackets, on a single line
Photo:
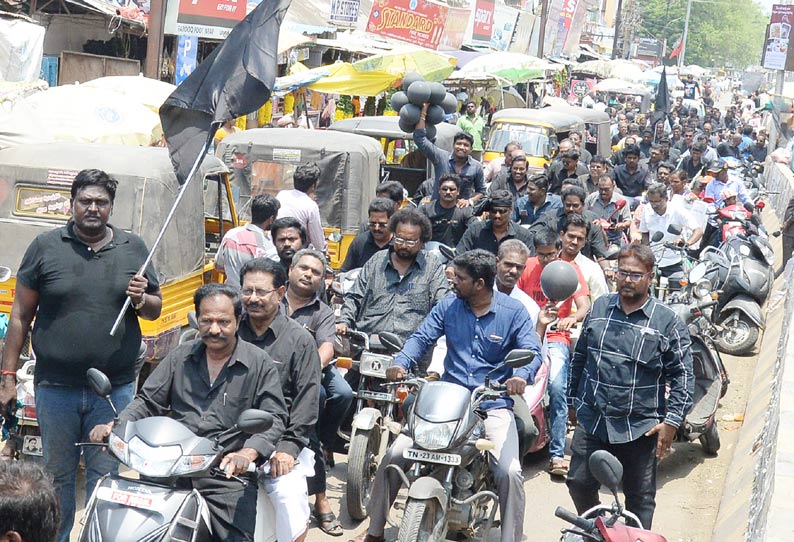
[(596, 245), (631, 184), (557, 174), (757, 152), (80, 294), (295, 355), (361, 250), (180, 388), (690, 167), (449, 225), (317, 318), (480, 235)]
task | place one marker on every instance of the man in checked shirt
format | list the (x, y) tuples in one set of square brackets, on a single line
[(631, 347)]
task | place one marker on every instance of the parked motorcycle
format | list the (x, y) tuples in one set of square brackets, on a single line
[(162, 451), (374, 423), (606, 523), (450, 487)]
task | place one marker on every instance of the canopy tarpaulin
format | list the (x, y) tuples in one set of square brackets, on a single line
[(431, 65), (515, 67), (339, 78)]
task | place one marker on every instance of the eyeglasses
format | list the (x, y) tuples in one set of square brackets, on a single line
[(410, 243), (378, 224), (500, 211), (634, 277), (260, 292)]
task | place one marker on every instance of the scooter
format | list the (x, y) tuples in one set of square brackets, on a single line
[(450, 487), (606, 523), (162, 451)]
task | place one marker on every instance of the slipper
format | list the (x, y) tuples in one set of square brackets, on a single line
[(329, 524)]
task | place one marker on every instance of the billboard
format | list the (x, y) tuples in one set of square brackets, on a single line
[(455, 29), (483, 20), (413, 21), (778, 38), (212, 19)]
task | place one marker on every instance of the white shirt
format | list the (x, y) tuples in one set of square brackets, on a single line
[(299, 205), (650, 223), (593, 275), (528, 302)]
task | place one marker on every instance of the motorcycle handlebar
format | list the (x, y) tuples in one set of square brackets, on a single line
[(586, 525)]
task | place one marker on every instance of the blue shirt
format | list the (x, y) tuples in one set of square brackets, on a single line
[(476, 345), (472, 180), (525, 213), (714, 190)]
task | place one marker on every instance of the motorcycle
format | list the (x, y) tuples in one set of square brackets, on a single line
[(606, 523), (450, 487), (162, 451), (374, 424)]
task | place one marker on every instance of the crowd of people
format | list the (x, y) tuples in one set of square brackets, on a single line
[(612, 349)]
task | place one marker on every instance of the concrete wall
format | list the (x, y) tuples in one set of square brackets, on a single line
[(758, 497), (70, 32)]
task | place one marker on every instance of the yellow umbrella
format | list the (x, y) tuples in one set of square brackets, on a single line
[(149, 92), (339, 78), (429, 64), (92, 115)]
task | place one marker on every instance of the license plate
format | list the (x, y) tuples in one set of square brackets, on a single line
[(125, 498), (431, 457), (373, 396), (31, 445)]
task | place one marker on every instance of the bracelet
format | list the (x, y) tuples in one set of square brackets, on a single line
[(138, 306)]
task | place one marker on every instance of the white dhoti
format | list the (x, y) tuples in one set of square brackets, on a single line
[(282, 507)]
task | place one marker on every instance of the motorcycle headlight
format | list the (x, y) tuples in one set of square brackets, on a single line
[(703, 289), (152, 461), (192, 463), (433, 436)]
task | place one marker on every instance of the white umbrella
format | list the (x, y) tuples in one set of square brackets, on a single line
[(143, 90)]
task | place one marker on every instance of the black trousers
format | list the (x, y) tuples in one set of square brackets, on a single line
[(638, 458), (232, 507)]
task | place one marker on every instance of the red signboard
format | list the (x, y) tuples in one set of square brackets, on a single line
[(413, 21), (483, 20), (455, 29), (778, 38)]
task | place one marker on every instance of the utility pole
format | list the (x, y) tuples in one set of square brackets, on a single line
[(617, 29), (686, 32), (154, 40), (544, 16)]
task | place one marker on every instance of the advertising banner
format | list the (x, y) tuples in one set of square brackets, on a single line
[(564, 23), (344, 12), (483, 20), (212, 19), (455, 30), (413, 21), (523, 33), (504, 23), (778, 39)]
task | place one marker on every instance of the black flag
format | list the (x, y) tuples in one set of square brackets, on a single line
[(661, 107), (234, 80)]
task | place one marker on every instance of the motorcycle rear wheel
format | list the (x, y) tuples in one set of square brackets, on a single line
[(742, 334), (361, 468), (710, 439), (419, 522)]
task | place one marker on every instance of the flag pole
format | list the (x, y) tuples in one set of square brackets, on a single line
[(182, 190)]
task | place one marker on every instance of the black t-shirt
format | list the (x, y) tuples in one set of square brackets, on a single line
[(80, 295), (449, 225), (360, 251)]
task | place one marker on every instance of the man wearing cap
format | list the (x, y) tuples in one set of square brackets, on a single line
[(719, 170), (489, 234)]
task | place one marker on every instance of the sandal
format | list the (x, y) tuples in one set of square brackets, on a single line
[(329, 524)]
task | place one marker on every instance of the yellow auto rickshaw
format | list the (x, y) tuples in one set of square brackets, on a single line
[(35, 182), (538, 130), (597, 125), (264, 161)]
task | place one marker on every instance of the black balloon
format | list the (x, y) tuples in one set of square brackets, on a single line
[(558, 281), (435, 114), (450, 104), (406, 127), (410, 78), (410, 113), (398, 100), (437, 93), (431, 131), (419, 93)]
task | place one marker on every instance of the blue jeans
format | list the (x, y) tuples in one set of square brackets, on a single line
[(560, 356), (336, 398), (66, 415)]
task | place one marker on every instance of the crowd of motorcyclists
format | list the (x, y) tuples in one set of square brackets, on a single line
[(461, 272)]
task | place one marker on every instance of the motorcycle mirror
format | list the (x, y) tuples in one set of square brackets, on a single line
[(606, 469), (774, 234), (558, 281), (657, 237), (447, 252), (749, 207), (254, 421), (191, 319), (674, 229), (391, 342), (761, 205), (519, 357), (5, 273), (99, 382), (697, 273)]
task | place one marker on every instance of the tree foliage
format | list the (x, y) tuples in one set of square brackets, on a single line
[(721, 32)]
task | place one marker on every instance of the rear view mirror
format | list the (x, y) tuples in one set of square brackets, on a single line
[(5, 273), (674, 229), (519, 357), (657, 237), (253, 421), (606, 469), (99, 382), (391, 342), (447, 252)]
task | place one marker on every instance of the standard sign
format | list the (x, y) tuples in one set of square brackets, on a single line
[(344, 11)]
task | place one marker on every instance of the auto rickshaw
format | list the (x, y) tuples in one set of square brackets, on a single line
[(597, 127), (538, 130), (641, 97), (264, 161), (35, 183), (404, 161)]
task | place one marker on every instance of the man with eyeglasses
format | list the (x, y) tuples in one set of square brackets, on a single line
[(489, 234), (630, 386), (397, 287), (295, 354), (449, 221), (376, 238)]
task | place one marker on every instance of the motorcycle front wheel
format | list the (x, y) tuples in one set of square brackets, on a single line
[(739, 335), (361, 467), (422, 521)]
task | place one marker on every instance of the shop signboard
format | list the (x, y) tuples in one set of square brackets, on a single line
[(413, 21), (344, 12), (483, 20), (455, 29)]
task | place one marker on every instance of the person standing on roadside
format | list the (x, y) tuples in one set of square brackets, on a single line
[(474, 125), (631, 350), (74, 280)]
